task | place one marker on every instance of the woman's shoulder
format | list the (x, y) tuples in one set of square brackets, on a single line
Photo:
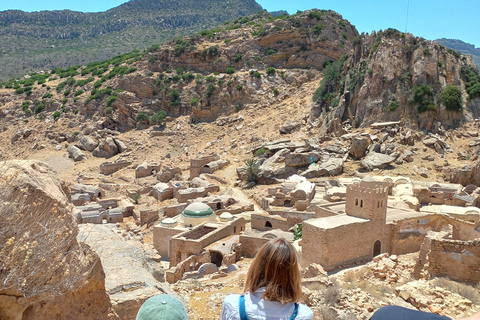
[(231, 300), (304, 312)]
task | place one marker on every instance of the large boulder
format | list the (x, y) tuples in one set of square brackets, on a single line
[(301, 159), (46, 272), (88, 143), (107, 148), (332, 167), (75, 153), (359, 146), (376, 161)]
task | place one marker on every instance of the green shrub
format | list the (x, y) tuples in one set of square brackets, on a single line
[(158, 117), (174, 97), (344, 36), (318, 28), (452, 98), (230, 71), (47, 95), (271, 70), (394, 104), (270, 51), (199, 79), (188, 76), (19, 90), (176, 78), (61, 86), (258, 58), (238, 57), (227, 41), (168, 71), (332, 83), (152, 59), (253, 170), (194, 101), (142, 117), (239, 87), (25, 105), (108, 110), (110, 100), (78, 92), (276, 92), (257, 74), (67, 92), (56, 114), (27, 112), (210, 89), (210, 79), (39, 107)]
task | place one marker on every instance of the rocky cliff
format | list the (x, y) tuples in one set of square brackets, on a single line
[(391, 76)]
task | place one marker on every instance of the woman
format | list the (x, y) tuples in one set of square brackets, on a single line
[(272, 289)]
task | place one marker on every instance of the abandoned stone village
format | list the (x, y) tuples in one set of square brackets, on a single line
[(169, 177)]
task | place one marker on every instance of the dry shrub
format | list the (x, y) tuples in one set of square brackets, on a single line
[(39, 254), (326, 313), (331, 295), (471, 292)]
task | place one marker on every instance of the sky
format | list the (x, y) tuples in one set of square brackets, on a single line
[(431, 19)]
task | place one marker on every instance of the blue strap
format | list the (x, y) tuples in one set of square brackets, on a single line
[(241, 305), (295, 312), (243, 312)]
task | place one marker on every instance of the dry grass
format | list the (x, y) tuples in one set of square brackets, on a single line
[(331, 295), (471, 292)]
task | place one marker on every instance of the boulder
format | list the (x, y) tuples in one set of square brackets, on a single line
[(376, 160), (359, 146), (332, 167), (88, 143), (289, 127), (75, 153), (295, 159), (122, 147), (106, 148), (46, 270)]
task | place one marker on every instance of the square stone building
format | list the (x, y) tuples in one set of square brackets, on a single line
[(358, 234)]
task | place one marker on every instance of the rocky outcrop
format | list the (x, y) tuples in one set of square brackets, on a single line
[(47, 271), (376, 160), (75, 153), (469, 174), (391, 77), (88, 143), (332, 167), (359, 147)]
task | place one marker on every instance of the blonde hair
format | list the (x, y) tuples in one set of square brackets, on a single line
[(276, 267)]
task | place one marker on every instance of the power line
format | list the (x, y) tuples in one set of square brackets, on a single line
[(406, 22)]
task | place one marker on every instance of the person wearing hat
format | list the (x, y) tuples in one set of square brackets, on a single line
[(162, 307)]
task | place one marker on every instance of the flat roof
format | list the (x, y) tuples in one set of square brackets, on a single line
[(397, 214), (335, 221)]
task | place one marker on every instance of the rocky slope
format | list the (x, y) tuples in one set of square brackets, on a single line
[(391, 76), (47, 39), (462, 47)]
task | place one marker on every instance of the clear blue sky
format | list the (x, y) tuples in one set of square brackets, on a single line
[(431, 19)]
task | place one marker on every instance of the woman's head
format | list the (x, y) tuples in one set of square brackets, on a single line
[(276, 267)]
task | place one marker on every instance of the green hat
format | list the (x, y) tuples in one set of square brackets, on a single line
[(162, 307)]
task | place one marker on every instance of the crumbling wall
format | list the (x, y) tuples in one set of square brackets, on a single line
[(455, 259)]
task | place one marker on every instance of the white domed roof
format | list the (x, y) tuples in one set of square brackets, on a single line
[(169, 221), (226, 216)]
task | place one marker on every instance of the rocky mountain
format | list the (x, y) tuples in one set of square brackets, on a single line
[(207, 75), (462, 47), (46, 39), (391, 76)]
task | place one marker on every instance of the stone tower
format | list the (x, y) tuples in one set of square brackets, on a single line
[(367, 199)]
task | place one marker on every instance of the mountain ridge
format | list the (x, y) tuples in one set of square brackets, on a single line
[(49, 39), (462, 47)]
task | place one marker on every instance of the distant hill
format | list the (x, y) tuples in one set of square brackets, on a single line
[(462, 47), (48, 39)]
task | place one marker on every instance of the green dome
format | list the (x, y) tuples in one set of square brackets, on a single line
[(197, 209)]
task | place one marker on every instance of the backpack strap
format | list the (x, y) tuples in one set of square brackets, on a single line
[(295, 312), (241, 307)]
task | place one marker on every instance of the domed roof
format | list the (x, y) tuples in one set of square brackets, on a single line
[(169, 222), (226, 216), (197, 209)]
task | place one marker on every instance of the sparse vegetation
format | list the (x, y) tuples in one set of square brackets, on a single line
[(452, 98)]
